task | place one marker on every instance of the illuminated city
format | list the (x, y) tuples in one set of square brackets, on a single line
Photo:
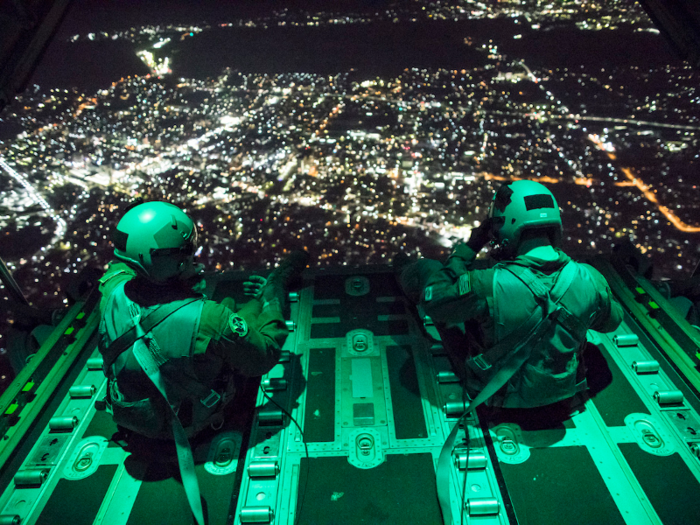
[(356, 164)]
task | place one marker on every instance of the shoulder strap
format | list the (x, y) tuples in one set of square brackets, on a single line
[(515, 349), (569, 321), (526, 275), (185, 458), (128, 338), (561, 285), (109, 276), (563, 282)]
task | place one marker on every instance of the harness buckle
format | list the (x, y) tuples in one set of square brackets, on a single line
[(212, 399), (481, 362)]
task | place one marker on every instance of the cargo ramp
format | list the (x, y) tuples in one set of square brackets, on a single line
[(348, 427)]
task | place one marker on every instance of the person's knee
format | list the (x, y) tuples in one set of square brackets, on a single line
[(414, 277)]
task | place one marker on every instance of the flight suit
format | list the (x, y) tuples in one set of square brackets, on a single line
[(477, 308), (206, 342)]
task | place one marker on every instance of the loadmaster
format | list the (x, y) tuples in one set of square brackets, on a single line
[(526, 313), (514, 330), (170, 353)]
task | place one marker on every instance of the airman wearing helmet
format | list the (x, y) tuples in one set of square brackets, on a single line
[(493, 310), (199, 344)]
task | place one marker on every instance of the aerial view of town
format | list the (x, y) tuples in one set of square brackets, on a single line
[(354, 133)]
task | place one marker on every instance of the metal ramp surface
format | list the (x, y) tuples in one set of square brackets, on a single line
[(373, 391)]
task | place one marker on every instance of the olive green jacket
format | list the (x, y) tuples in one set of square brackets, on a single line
[(217, 347), (488, 304)]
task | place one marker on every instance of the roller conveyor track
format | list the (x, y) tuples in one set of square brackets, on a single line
[(375, 395), (657, 318)]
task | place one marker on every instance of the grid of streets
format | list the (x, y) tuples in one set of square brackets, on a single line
[(355, 168)]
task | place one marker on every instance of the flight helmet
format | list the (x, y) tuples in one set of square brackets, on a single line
[(523, 205), (157, 239)]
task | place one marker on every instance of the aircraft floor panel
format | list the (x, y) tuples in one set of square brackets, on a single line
[(668, 483), (161, 500), (400, 490), (608, 401), (376, 397), (77, 501), (319, 413), (559, 485)]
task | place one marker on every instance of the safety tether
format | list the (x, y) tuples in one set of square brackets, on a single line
[(185, 459), (535, 328)]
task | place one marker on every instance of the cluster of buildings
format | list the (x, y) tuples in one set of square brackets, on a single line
[(351, 169)]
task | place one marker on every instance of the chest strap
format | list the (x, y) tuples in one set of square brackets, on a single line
[(128, 338)]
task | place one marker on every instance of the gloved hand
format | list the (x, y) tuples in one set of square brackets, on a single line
[(480, 235), (288, 271), (200, 286), (253, 287)]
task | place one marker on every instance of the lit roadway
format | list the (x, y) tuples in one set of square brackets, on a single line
[(626, 121), (34, 194), (633, 180), (649, 194)]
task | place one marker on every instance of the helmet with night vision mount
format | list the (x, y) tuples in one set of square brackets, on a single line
[(523, 205), (157, 239)]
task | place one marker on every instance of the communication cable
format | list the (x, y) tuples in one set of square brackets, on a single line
[(463, 419), (306, 451)]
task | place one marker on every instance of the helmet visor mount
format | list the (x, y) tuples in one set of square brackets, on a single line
[(541, 200), (186, 250)]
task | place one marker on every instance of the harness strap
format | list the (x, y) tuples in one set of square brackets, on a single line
[(562, 284), (514, 350), (514, 361), (548, 302), (505, 346), (128, 338), (185, 460), (208, 397)]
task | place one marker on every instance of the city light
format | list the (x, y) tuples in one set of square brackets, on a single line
[(357, 166)]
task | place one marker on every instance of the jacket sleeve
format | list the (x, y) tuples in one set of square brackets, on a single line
[(449, 295), (248, 341), (610, 313)]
